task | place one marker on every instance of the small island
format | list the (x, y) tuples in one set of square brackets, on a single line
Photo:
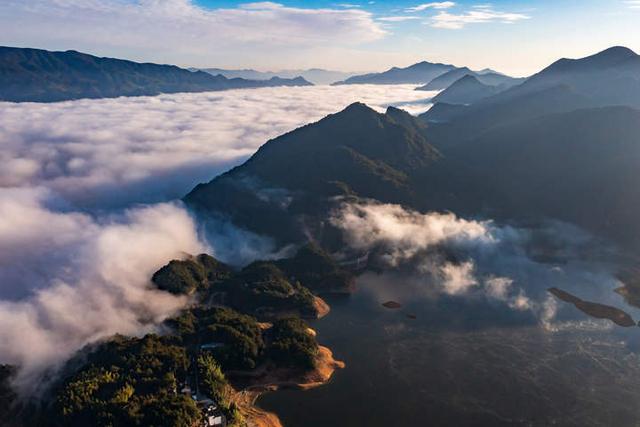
[(599, 311)]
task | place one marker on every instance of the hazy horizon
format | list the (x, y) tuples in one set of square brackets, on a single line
[(511, 36)]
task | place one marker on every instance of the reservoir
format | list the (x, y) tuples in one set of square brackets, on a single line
[(444, 360)]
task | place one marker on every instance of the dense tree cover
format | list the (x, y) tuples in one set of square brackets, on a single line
[(127, 382), (264, 290), (315, 268), (191, 275), (292, 345), (136, 381), (214, 384), (240, 335)]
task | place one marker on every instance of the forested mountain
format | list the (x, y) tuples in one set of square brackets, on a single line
[(43, 76), (539, 153)]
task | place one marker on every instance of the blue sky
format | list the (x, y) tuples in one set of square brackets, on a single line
[(514, 36)]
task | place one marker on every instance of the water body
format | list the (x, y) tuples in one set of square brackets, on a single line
[(457, 361)]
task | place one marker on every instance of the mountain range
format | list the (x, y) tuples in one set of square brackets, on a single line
[(611, 77), (559, 146), (316, 76), (420, 73), (490, 78), (43, 76)]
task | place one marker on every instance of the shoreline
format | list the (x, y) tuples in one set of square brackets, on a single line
[(281, 379)]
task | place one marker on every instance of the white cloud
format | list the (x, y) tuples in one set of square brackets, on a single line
[(432, 5), (74, 266), (478, 16), (633, 4), (405, 234), (397, 18), (69, 279), (113, 152), (180, 30), (458, 279)]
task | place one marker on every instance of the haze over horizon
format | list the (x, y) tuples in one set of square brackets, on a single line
[(512, 36)]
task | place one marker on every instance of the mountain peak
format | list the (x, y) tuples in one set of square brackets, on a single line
[(468, 78), (616, 53)]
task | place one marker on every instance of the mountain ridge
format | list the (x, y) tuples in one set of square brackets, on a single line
[(419, 73), (37, 75)]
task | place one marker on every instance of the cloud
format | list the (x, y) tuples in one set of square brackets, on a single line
[(79, 239), (405, 234), (633, 4), (107, 153), (433, 5), (69, 279), (397, 18), (481, 15), (479, 260), (181, 28), (457, 279)]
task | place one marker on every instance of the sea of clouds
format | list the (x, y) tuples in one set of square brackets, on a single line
[(88, 206)]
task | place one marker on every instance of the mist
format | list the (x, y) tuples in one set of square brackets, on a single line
[(88, 208), (479, 260), (110, 153)]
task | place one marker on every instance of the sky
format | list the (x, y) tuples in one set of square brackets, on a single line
[(514, 36)]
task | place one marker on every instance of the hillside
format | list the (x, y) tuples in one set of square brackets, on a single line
[(42, 76), (354, 152), (578, 167)]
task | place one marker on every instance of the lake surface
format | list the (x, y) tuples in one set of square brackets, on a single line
[(465, 361)]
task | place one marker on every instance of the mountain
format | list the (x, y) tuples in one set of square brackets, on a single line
[(611, 77), (579, 167), (314, 75), (535, 155), (43, 76), (354, 152), (487, 78), (419, 73), (466, 90)]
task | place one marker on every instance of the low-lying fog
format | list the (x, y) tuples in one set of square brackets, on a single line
[(87, 210)]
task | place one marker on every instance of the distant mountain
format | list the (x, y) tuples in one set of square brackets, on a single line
[(354, 152), (611, 77), (420, 73), (44, 76), (314, 75), (487, 78), (466, 90), (607, 78)]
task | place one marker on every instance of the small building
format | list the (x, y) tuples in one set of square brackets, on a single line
[(213, 416)]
